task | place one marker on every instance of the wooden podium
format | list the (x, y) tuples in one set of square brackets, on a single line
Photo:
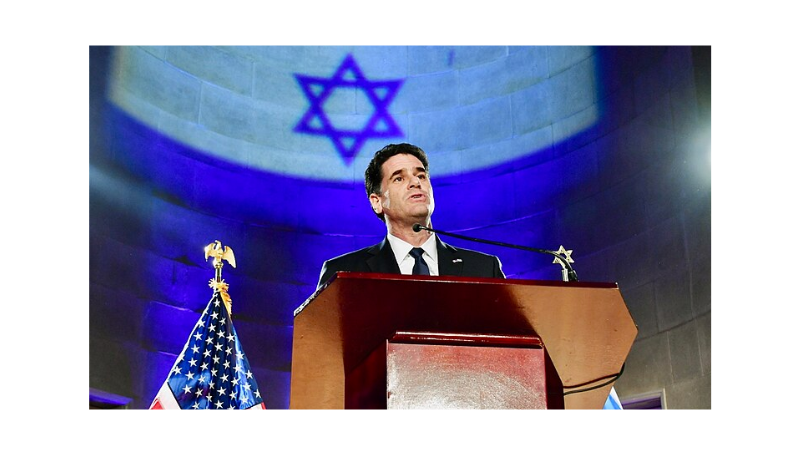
[(370, 340)]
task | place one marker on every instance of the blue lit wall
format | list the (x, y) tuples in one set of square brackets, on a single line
[(264, 148)]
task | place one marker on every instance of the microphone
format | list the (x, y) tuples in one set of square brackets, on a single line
[(567, 272)]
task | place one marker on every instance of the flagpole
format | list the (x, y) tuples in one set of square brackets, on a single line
[(220, 254)]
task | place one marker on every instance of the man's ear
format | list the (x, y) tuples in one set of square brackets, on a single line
[(375, 202)]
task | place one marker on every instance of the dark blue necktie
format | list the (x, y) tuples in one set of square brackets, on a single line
[(420, 267)]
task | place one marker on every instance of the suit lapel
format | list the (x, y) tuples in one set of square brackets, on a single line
[(382, 260), (450, 262)]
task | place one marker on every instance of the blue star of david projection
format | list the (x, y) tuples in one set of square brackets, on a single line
[(348, 141)]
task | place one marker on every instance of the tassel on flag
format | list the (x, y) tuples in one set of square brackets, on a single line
[(212, 371)]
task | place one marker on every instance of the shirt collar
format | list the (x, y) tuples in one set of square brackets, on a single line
[(401, 248)]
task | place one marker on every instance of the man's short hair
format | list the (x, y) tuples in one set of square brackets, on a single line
[(373, 176)]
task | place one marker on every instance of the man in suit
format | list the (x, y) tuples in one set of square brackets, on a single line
[(400, 193)]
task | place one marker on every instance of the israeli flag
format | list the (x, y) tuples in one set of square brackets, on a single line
[(612, 402)]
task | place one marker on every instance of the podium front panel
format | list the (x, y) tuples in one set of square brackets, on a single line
[(435, 376)]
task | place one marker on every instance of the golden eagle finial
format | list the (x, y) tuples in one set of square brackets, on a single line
[(220, 254)]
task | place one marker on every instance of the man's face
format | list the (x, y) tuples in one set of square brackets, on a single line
[(407, 195)]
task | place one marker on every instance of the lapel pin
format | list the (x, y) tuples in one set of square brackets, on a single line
[(456, 261)]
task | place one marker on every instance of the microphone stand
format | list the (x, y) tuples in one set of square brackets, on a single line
[(567, 272)]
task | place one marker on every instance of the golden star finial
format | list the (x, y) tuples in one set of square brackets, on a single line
[(567, 254)]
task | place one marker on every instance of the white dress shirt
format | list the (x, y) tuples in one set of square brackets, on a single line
[(402, 249)]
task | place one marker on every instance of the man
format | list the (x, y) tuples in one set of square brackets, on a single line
[(400, 193)]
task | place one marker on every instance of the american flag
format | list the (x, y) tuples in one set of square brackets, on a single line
[(212, 371)]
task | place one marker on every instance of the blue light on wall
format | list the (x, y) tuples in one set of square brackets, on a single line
[(470, 108)]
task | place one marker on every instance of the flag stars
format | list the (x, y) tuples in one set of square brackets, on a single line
[(205, 374)]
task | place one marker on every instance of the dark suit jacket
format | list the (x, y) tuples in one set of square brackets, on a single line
[(380, 259)]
